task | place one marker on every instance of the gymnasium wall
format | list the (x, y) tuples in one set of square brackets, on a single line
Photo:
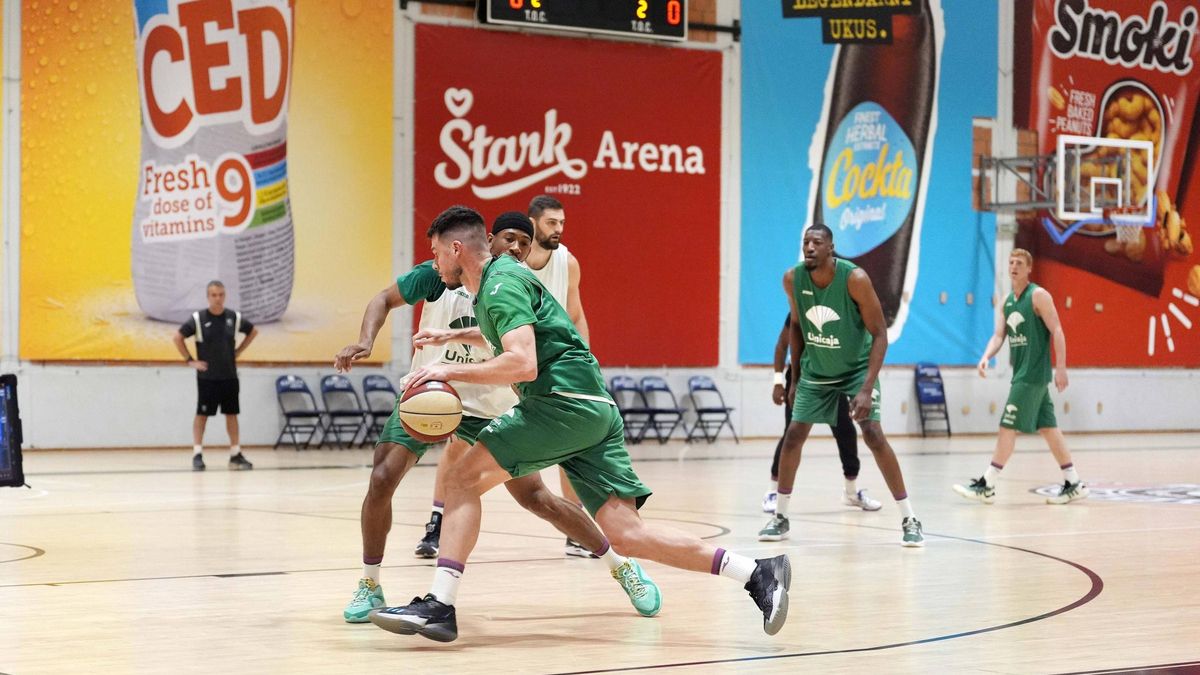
[(680, 268)]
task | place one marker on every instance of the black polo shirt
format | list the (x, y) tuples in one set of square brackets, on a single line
[(215, 344)]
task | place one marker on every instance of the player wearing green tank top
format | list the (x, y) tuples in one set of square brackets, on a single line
[(1029, 321), (837, 317), (564, 416)]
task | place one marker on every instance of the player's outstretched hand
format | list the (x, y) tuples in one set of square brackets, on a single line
[(430, 337), (343, 360)]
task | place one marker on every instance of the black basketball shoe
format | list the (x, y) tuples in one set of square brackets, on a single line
[(768, 586), (239, 463), (197, 462), (428, 546), (426, 616)]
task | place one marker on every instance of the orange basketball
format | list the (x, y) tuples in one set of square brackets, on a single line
[(430, 412)]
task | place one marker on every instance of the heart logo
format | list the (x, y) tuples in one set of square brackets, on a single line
[(459, 101)]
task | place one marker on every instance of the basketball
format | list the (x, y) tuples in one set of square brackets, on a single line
[(430, 412)]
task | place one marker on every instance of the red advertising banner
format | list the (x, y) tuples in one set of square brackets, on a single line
[(1109, 87), (626, 136)]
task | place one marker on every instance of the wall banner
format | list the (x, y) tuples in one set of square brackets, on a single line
[(626, 136), (875, 143), (153, 165)]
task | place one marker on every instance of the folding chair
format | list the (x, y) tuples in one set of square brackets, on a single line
[(632, 406), (665, 413), (381, 401), (711, 412), (931, 397), (299, 409), (343, 410)]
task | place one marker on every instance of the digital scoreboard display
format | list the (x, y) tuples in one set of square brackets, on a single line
[(655, 19)]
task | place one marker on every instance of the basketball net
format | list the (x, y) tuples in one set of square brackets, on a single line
[(1127, 230)]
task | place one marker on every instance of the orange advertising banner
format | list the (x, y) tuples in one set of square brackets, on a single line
[(169, 144)]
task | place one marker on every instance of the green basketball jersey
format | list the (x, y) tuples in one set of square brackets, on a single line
[(510, 297), (1028, 339), (836, 342)]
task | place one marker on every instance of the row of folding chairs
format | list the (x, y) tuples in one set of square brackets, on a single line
[(649, 406), (344, 415)]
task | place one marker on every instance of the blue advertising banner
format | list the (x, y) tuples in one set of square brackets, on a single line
[(875, 142)]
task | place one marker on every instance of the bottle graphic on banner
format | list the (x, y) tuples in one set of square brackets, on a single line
[(213, 79), (871, 154)]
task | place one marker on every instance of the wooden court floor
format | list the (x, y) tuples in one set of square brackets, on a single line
[(127, 562)]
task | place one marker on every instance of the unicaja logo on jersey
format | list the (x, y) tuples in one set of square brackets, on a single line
[(818, 316), (457, 352), (1015, 337)]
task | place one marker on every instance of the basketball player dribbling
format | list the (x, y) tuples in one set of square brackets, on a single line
[(565, 416), (397, 452)]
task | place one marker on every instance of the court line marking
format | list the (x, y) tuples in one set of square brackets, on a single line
[(36, 552), (1097, 586), (1134, 669), (902, 452), (211, 575), (721, 531)]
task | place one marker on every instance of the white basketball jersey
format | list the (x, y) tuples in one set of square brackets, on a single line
[(554, 275), (454, 310)]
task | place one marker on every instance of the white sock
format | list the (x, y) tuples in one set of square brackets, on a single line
[(372, 571), (197, 449), (445, 583), (992, 474), (235, 450), (851, 486), (781, 503), (906, 509), (1069, 473), (439, 507), (736, 567), (774, 485), (610, 557)]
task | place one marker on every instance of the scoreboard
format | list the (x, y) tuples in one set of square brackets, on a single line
[(655, 19)]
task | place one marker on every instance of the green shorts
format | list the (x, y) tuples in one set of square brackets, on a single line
[(587, 438), (394, 432), (1029, 408), (817, 402)]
